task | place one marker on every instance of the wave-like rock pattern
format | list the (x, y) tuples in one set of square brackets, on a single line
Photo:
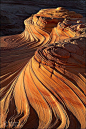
[(47, 90), (45, 27)]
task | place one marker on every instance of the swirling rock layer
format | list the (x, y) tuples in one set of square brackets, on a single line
[(45, 27), (49, 88)]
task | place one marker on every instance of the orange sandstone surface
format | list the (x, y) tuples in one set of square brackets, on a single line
[(42, 81)]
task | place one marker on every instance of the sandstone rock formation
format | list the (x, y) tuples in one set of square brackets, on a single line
[(47, 90), (13, 13)]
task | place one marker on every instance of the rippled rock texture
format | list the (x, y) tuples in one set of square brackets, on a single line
[(45, 90), (13, 13)]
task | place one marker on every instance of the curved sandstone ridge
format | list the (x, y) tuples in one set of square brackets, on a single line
[(45, 27), (50, 90), (46, 91)]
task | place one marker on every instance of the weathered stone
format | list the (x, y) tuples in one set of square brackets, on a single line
[(45, 89)]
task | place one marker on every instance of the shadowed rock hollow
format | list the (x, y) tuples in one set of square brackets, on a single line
[(45, 89)]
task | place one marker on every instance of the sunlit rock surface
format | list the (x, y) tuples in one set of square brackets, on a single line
[(43, 72), (13, 13)]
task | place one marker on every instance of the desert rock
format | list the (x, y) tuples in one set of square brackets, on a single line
[(43, 72)]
